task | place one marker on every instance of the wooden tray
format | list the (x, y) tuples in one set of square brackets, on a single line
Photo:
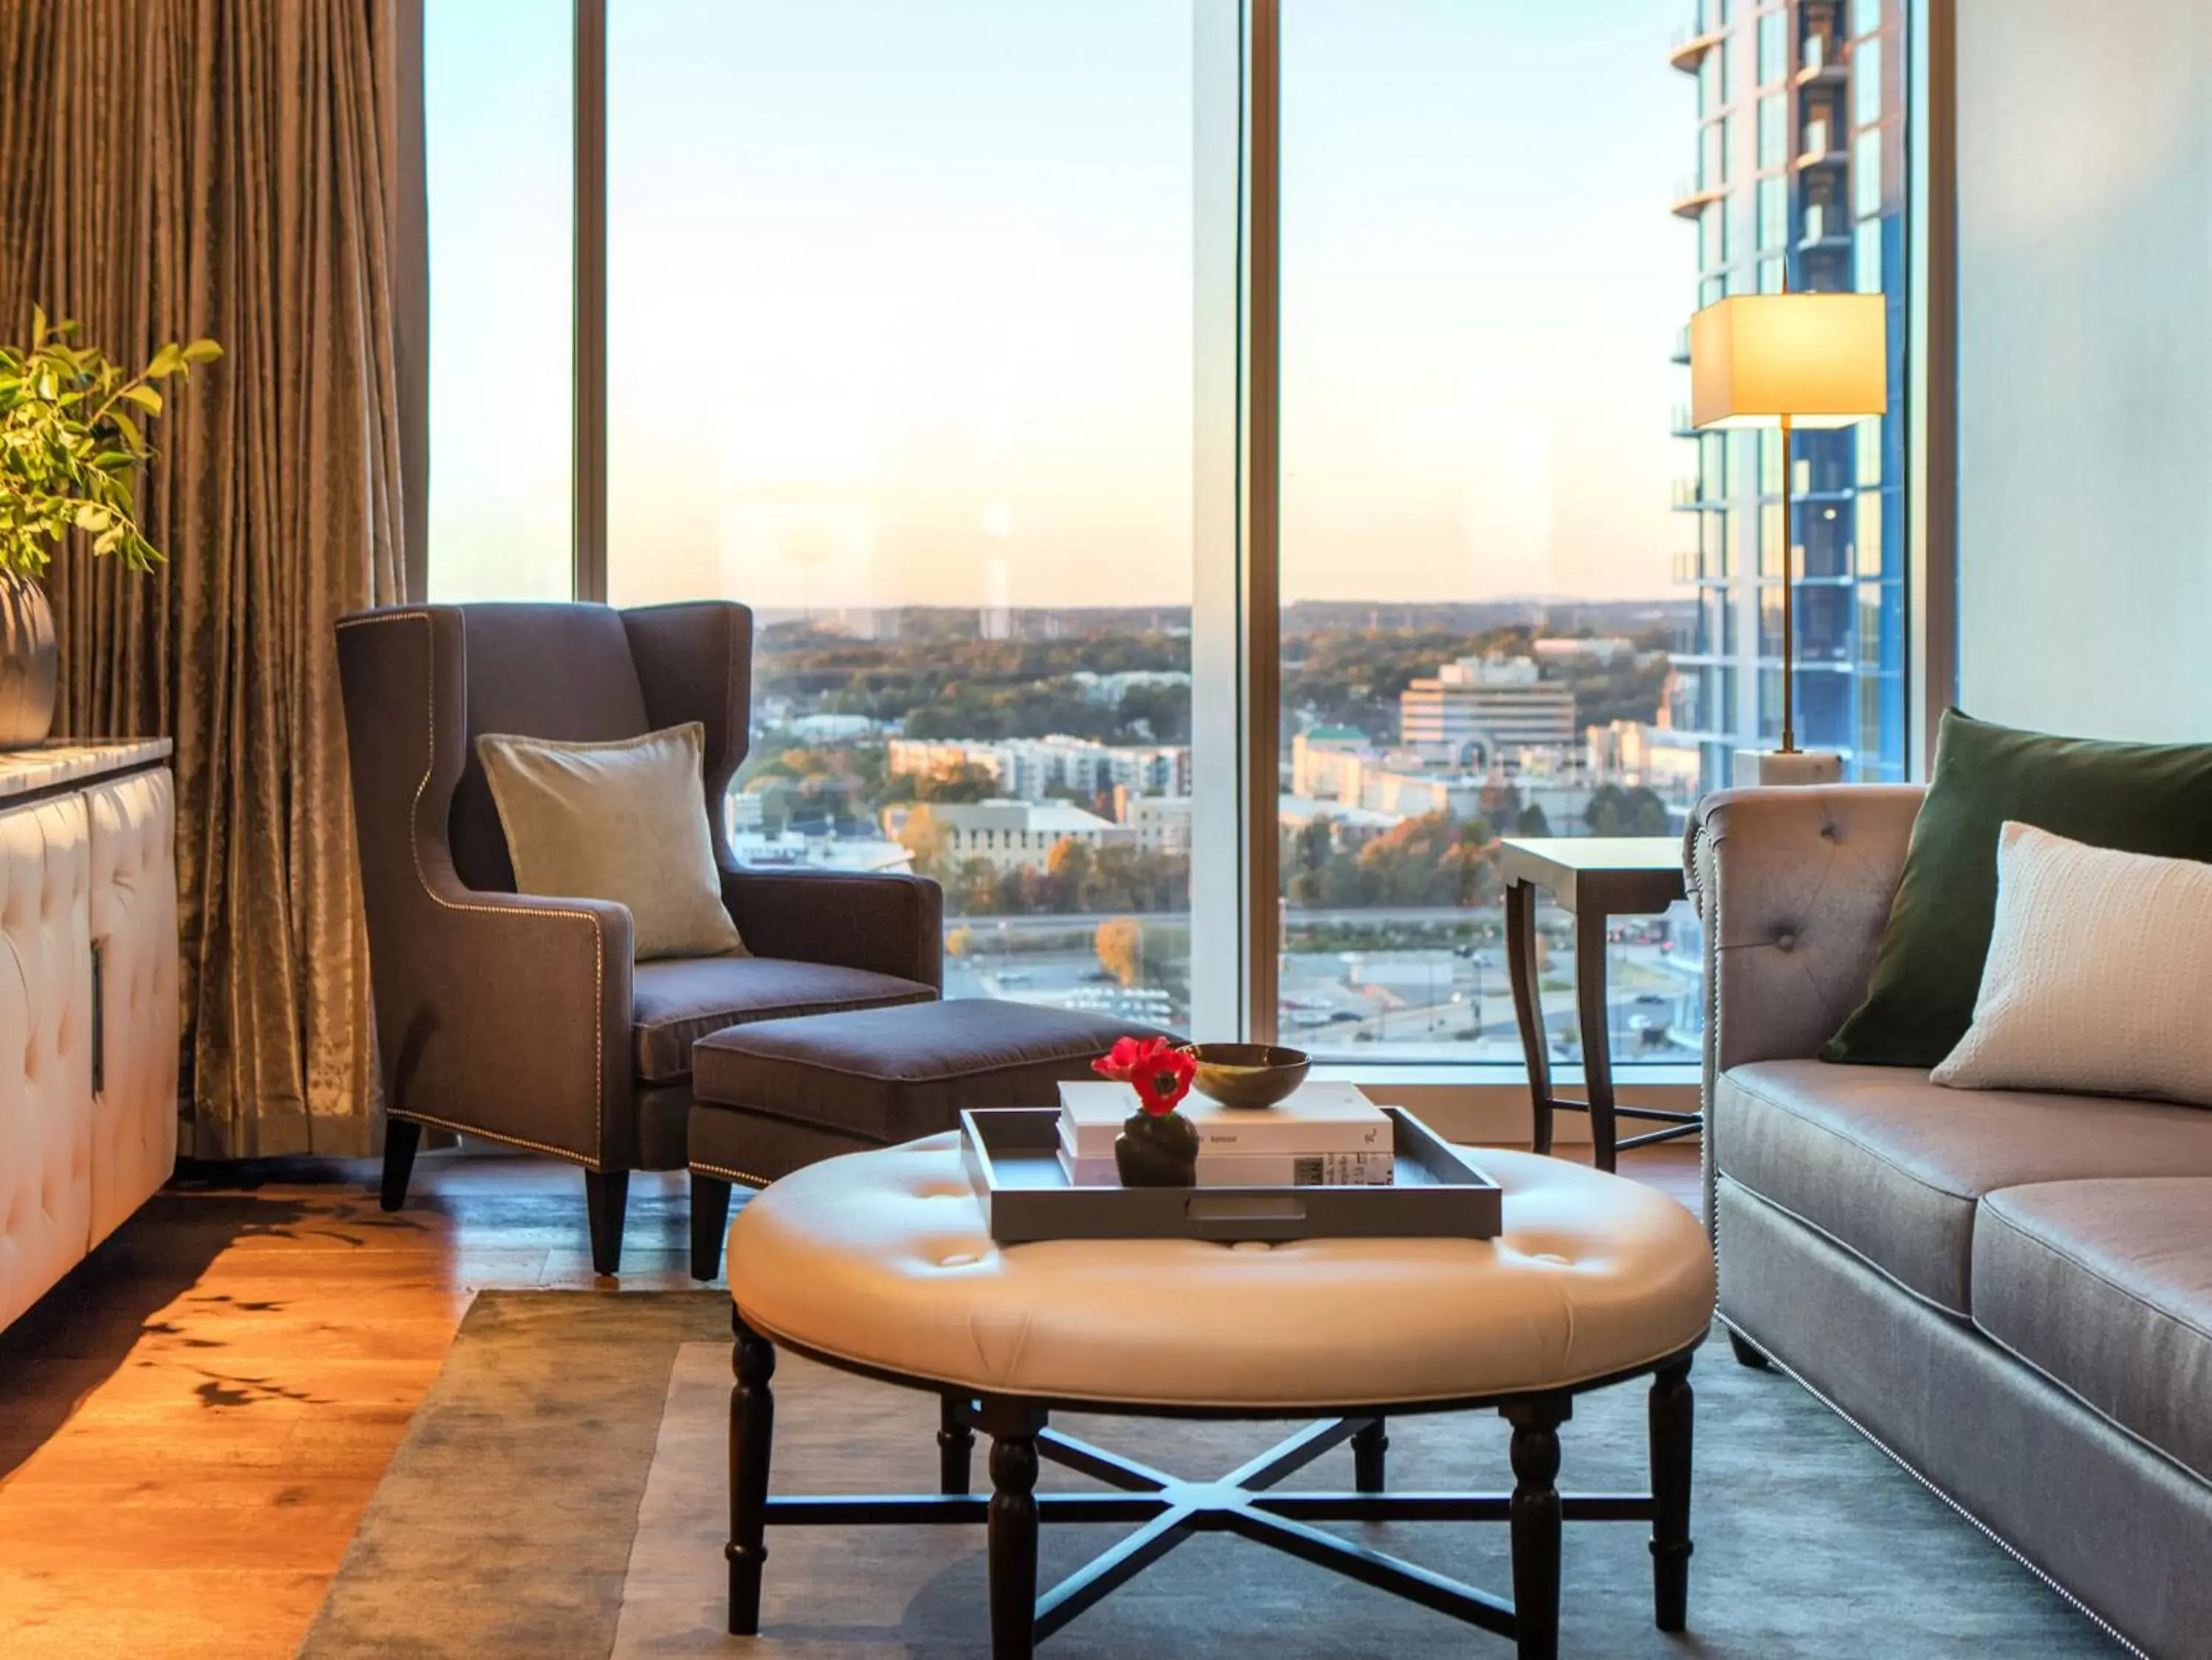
[(1012, 1155)]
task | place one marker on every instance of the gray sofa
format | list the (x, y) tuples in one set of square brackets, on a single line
[(2010, 1291)]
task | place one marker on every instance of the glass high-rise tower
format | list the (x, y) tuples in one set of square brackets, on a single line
[(1801, 178)]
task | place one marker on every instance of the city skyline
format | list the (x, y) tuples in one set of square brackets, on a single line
[(1480, 280)]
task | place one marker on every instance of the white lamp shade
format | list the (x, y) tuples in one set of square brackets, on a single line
[(1820, 358)]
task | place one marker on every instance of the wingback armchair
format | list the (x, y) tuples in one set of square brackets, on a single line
[(522, 1018)]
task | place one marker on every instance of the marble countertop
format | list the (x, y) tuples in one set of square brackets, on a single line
[(67, 761)]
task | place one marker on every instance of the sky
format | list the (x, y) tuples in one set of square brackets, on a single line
[(901, 298)]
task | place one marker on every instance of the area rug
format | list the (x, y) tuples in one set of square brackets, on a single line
[(561, 1492)]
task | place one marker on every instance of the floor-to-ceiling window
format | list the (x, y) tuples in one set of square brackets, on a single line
[(900, 354), (905, 306), (499, 116)]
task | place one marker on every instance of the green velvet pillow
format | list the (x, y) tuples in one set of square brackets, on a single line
[(2138, 798)]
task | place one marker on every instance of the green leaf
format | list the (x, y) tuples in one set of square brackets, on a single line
[(90, 516), (167, 361), (129, 428), (144, 397), (202, 351)]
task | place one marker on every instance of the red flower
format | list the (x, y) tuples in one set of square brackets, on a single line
[(1159, 1072)]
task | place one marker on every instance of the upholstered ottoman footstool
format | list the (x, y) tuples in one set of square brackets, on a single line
[(880, 1263), (776, 1095)]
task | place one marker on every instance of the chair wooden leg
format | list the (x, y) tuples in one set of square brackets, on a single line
[(607, 1197), (710, 1222), (401, 1137)]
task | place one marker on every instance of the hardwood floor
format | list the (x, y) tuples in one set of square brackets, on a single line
[(192, 1423)]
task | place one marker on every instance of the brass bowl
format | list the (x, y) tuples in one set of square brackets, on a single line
[(1247, 1073)]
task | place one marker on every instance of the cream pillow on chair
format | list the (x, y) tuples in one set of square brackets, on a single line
[(624, 820), (2099, 977)]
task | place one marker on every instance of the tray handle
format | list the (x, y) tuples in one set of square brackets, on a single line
[(1257, 1207)]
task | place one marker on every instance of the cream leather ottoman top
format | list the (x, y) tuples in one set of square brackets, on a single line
[(880, 1258)]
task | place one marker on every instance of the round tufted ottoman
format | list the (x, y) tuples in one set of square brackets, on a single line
[(878, 1263)]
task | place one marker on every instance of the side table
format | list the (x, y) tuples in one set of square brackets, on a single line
[(1595, 878)]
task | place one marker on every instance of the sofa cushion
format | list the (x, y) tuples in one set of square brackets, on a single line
[(889, 1075), (1892, 1165), (2105, 1288), (2140, 797), (2096, 975), (676, 1002)]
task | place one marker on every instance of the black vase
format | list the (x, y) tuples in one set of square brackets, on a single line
[(1159, 1151)]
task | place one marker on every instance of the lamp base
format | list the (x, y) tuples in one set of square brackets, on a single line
[(1766, 768)]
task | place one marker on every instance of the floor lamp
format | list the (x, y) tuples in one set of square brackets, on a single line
[(1796, 361)]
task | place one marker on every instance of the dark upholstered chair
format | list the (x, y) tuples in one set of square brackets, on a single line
[(520, 1018)]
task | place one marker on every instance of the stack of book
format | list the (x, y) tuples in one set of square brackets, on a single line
[(1327, 1134)]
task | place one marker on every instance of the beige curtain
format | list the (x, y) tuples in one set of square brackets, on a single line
[(247, 169)]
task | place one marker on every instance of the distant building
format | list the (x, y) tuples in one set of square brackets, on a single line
[(1160, 823), (1349, 826), (1653, 757), (1111, 688), (1483, 706), (832, 729), (1009, 835), (1556, 649), (1031, 769), (1326, 761)]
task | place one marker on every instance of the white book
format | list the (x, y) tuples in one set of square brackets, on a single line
[(1254, 1170), (1320, 1118)]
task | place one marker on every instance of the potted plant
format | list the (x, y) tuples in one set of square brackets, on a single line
[(71, 449)]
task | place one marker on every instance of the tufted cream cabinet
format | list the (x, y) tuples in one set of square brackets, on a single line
[(88, 1001)]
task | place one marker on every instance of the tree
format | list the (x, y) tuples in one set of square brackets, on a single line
[(1533, 822), (1614, 811), (1121, 946), (1074, 869)]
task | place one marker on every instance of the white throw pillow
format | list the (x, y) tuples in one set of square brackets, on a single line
[(2099, 977), (624, 820)]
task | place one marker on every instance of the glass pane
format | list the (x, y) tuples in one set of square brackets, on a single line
[(1480, 625), (1773, 212), (1773, 129), (900, 353), (1868, 154), (1866, 81), (497, 102)]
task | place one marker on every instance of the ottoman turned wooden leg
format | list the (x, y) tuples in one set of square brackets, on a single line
[(1368, 1447), (1535, 1525), (1012, 1529), (752, 1431), (1672, 1420)]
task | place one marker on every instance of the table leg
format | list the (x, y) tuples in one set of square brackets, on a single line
[(752, 1430), (1528, 1006), (1012, 1532), (1672, 1417), (955, 1442), (1369, 1449), (1595, 1020), (1535, 1526)]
